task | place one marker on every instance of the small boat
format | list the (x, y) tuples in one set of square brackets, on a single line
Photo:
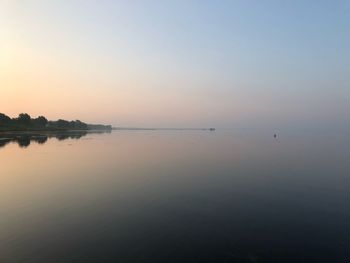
[(212, 129)]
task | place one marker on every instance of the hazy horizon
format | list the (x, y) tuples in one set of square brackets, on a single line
[(178, 64), (235, 145)]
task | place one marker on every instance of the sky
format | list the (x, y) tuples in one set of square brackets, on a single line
[(178, 63)]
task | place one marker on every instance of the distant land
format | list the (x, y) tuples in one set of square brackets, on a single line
[(24, 122), (162, 129)]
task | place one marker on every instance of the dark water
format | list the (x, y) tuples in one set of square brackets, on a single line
[(175, 196)]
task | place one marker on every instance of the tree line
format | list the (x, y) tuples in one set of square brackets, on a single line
[(25, 122)]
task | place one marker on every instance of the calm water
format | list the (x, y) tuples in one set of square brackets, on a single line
[(175, 196)]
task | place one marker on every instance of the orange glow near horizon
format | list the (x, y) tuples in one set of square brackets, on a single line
[(129, 65)]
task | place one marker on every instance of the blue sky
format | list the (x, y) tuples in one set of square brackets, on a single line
[(179, 63)]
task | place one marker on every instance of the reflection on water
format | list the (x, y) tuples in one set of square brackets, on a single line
[(184, 196), (25, 139)]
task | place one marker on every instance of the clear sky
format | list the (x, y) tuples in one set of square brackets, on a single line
[(177, 63)]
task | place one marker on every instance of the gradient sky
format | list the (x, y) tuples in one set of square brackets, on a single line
[(177, 63)]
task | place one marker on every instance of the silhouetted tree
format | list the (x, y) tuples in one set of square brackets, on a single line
[(62, 124), (4, 119), (24, 118), (79, 125), (25, 122), (41, 121)]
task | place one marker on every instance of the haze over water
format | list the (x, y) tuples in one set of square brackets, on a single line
[(177, 196), (250, 69), (189, 63)]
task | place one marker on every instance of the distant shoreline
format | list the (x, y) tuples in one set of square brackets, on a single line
[(25, 123), (10, 129), (50, 130), (111, 129), (6, 130), (162, 129)]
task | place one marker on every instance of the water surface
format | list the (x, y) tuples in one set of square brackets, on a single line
[(175, 196)]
